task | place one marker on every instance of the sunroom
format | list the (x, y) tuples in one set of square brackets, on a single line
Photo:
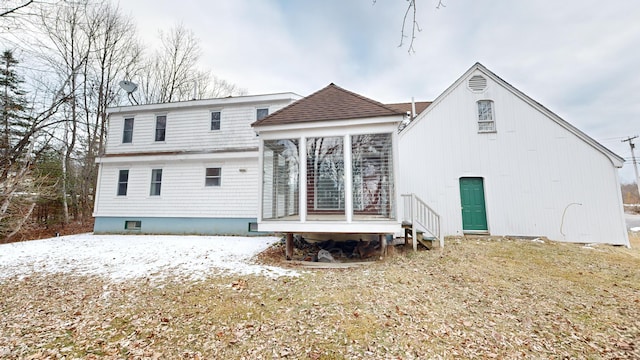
[(329, 167)]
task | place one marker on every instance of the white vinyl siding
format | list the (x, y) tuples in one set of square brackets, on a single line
[(190, 131), (189, 198)]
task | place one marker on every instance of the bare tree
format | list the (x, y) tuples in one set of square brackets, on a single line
[(172, 72), (15, 14), (71, 36), (116, 53), (26, 135), (91, 47)]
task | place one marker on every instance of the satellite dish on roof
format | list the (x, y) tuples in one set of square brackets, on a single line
[(129, 87)]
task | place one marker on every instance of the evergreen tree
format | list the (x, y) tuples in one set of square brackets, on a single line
[(13, 106)]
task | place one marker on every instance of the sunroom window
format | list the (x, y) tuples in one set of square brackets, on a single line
[(372, 174), (325, 178), (280, 166)]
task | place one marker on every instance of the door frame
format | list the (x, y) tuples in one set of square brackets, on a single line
[(484, 199)]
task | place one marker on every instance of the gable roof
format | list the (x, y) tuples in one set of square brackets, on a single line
[(616, 160), (406, 107), (329, 103)]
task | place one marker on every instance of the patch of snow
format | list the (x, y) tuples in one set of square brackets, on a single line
[(635, 229), (121, 257)]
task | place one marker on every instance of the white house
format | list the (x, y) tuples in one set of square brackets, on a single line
[(186, 167), (490, 160), (483, 158)]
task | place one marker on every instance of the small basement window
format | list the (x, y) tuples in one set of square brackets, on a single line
[(253, 227), (132, 225)]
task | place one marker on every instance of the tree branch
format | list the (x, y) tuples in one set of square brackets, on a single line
[(16, 8), (411, 11)]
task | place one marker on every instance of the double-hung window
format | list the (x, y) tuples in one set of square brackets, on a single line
[(123, 180), (215, 120), (486, 118), (213, 177), (156, 182), (127, 132), (161, 127)]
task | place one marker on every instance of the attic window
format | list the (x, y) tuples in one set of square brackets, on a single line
[(486, 120), (477, 83)]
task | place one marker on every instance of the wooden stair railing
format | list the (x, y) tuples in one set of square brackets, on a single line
[(421, 219)]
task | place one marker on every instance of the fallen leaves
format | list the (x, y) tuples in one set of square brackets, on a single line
[(481, 299)]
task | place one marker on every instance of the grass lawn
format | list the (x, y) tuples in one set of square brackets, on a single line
[(475, 299)]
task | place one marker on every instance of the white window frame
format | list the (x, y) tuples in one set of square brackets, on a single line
[(164, 135), (486, 119), (124, 129), (213, 177), (126, 183), (258, 110), (155, 183), (211, 120)]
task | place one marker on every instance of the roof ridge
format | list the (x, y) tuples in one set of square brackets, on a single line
[(364, 98)]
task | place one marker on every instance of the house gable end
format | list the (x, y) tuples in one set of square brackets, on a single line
[(477, 69)]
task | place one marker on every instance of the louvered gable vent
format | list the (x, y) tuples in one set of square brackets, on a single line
[(477, 83)]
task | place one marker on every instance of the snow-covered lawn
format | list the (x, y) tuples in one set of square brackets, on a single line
[(122, 257)]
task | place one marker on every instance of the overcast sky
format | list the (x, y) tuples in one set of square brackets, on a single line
[(579, 58)]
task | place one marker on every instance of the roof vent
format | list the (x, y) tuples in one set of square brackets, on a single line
[(477, 83)]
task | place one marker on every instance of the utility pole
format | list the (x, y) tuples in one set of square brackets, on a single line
[(633, 159)]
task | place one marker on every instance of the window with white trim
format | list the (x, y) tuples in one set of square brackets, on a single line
[(161, 127), (215, 120), (127, 132), (486, 118), (213, 177), (156, 182), (262, 113), (123, 181)]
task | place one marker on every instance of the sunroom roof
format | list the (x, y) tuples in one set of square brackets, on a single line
[(329, 103)]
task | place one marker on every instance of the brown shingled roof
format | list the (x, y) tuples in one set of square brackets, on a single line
[(406, 107), (330, 103)]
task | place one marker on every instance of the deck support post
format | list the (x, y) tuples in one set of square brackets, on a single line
[(289, 246), (383, 245)]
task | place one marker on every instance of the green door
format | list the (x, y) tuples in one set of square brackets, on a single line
[(474, 215)]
